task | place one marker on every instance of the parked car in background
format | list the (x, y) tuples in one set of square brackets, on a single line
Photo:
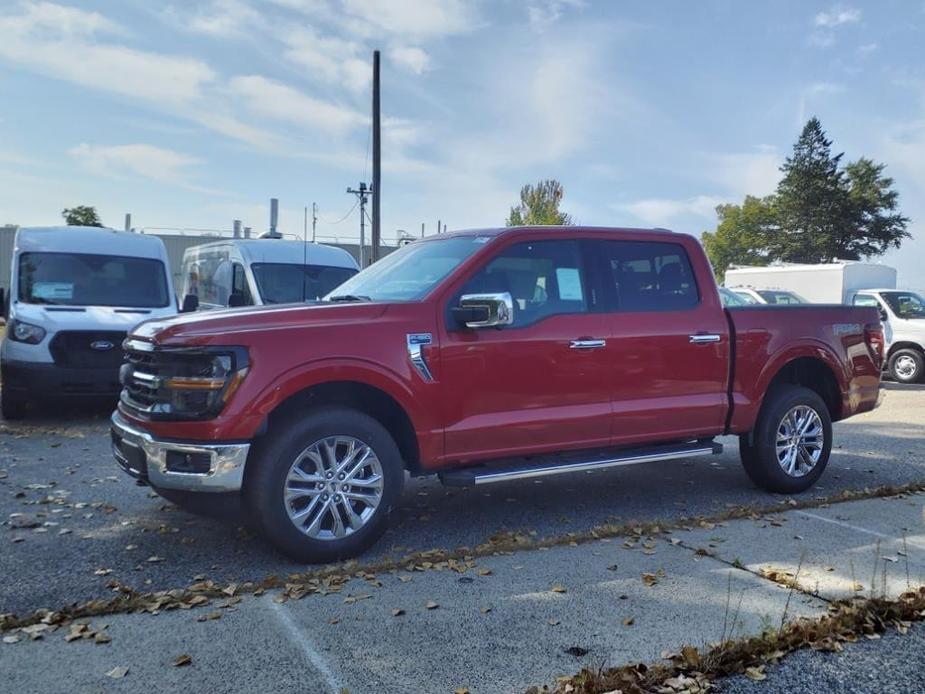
[(903, 316), (484, 356), (824, 283), (256, 272), (730, 298), (780, 297), (74, 294)]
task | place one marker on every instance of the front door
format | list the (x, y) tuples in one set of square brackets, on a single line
[(541, 383)]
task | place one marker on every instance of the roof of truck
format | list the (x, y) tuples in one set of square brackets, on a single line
[(90, 240), (500, 231), (285, 251)]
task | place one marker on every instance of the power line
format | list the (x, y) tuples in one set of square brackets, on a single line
[(349, 212)]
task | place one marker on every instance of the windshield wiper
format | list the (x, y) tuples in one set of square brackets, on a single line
[(348, 297)]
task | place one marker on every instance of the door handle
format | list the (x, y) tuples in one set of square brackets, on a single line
[(587, 344), (704, 338)]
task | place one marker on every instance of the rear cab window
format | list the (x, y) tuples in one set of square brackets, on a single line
[(649, 276)]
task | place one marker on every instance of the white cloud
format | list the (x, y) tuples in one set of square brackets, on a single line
[(410, 58), (57, 41), (663, 211), (544, 13), (411, 17), (747, 173), (867, 48), (837, 16), (219, 19), (272, 99), (146, 161)]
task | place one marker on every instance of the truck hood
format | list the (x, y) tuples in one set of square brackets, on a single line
[(233, 325)]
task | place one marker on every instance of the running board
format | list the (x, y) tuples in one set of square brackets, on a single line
[(542, 466)]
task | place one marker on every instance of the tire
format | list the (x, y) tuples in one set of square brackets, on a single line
[(222, 506), (907, 366), (318, 501), (12, 406), (758, 449)]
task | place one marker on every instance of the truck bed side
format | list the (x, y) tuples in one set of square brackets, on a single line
[(823, 347)]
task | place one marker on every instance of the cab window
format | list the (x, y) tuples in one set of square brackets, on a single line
[(544, 278), (647, 276)]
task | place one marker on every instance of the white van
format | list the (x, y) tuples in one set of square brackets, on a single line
[(903, 315), (74, 294), (255, 272)]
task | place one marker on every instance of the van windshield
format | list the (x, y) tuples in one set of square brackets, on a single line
[(83, 279), (285, 283), (905, 304)]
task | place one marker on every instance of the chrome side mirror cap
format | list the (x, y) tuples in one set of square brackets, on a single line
[(485, 310)]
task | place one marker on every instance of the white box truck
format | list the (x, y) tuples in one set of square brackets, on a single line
[(827, 283)]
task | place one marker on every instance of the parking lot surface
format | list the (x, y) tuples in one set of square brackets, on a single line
[(73, 524)]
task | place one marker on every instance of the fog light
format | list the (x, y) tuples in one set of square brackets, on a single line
[(190, 463)]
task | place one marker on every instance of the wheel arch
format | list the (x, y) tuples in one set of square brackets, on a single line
[(815, 374), (357, 395), (905, 344)]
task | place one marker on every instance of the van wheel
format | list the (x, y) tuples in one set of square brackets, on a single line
[(12, 406), (789, 447), (907, 366), (321, 487)]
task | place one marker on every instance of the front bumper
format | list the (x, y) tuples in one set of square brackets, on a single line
[(43, 380), (155, 460)]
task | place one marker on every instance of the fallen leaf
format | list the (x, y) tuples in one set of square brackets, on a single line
[(553, 622), (102, 572), (398, 612), (118, 672), (756, 673), (485, 610), (558, 588), (649, 579), (484, 572), (629, 621), (431, 605), (102, 637), (182, 660), (576, 651)]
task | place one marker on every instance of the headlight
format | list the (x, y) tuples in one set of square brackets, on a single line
[(183, 383), (25, 332)]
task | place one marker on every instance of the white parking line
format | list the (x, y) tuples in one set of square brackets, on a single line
[(300, 638), (859, 529)]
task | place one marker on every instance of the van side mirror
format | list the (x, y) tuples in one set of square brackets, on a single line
[(236, 299), (484, 310), (190, 303), (883, 315)]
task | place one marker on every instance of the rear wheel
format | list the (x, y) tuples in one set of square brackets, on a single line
[(789, 447), (12, 405), (323, 485), (907, 366)]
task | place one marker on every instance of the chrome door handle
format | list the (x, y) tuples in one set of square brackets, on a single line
[(704, 338), (587, 344)]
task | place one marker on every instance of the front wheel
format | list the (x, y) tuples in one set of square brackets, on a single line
[(907, 366), (789, 447), (322, 486)]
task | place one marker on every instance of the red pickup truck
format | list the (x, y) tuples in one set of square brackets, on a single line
[(483, 356)]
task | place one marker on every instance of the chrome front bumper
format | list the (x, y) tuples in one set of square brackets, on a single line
[(145, 458)]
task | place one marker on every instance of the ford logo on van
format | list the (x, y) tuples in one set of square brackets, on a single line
[(101, 345)]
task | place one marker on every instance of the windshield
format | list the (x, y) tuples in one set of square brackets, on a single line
[(284, 283), (730, 298), (410, 272), (80, 279), (905, 304), (781, 297), (746, 297)]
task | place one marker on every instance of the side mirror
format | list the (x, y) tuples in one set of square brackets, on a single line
[(190, 303), (485, 310), (883, 315), (236, 299)]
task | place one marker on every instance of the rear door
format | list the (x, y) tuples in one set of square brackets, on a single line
[(670, 342), (542, 383)]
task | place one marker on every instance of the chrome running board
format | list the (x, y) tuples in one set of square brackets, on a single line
[(543, 466)]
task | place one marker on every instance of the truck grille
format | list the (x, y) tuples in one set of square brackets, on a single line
[(87, 349), (140, 378)]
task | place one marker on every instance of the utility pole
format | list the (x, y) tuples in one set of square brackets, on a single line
[(377, 160), (362, 194), (305, 224), (314, 220)]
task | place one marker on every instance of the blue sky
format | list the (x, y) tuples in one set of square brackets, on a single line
[(193, 113)]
